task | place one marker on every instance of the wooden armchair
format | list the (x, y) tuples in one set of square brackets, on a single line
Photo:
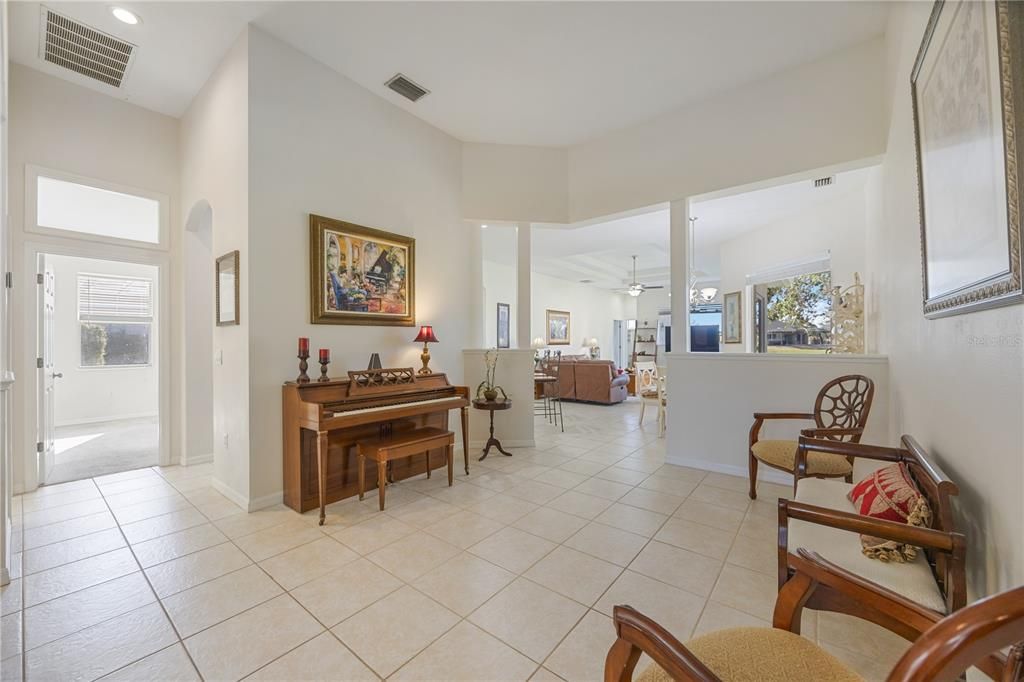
[(972, 636), (822, 519), (840, 413)]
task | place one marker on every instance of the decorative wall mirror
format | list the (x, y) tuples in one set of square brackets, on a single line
[(227, 287)]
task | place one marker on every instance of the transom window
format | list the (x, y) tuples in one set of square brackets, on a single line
[(115, 316)]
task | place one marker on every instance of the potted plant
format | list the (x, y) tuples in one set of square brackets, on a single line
[(487, 388)]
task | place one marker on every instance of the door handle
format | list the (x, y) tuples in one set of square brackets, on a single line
[(58, 375)]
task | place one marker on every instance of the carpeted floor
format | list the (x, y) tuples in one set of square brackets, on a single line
[(89, 450)]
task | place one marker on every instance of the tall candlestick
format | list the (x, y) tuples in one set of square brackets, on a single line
[(325, 359), (303, 378)]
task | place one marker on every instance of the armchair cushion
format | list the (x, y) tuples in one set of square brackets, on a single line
[(889, 493), (913, 579), (782, 454), (760, 655)]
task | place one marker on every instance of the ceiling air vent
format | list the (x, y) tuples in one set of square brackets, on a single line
[(82, 49), (825, 182), (586, 281), (406, 88)]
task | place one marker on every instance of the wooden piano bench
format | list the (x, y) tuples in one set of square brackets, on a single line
[(406, 444)]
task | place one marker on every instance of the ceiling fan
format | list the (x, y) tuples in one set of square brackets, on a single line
[(635, 287)]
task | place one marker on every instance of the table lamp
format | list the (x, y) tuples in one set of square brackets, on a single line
[(426, 335)]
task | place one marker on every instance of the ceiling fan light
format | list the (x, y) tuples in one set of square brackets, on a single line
[(708, 293), (635, 291)]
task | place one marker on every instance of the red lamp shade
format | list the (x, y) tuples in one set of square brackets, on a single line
[(426, 335)]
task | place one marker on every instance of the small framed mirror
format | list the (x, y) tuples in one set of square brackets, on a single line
[(227, 289)]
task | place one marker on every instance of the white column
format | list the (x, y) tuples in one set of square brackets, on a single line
[(679, 247), (524, 291)]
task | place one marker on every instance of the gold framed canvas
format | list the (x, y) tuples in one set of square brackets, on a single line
[(226, 286), (557, 324), (967, 89), (360, 275), (732, 317)]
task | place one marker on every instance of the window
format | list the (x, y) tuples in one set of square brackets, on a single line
[(115, 316), (94, 210), (799, 313)]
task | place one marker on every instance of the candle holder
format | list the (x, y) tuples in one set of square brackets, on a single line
[(303, 378), (323, 370)]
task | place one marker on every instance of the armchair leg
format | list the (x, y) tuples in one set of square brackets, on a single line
[(621, 661), (753, 475)]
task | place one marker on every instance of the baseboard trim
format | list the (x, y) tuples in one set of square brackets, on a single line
[(765, 474), (198, 459), (524, 443), (266, 501), (229, 492)]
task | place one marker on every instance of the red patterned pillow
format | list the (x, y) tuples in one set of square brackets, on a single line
[(890, 494)]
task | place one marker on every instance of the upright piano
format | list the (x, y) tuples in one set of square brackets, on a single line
[(328, 418)]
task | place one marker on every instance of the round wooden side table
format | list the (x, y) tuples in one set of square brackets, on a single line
[(492, 406)]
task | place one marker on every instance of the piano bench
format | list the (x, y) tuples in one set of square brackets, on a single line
[(398, 446)]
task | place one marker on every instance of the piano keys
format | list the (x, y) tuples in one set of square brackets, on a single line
[(328, 418)]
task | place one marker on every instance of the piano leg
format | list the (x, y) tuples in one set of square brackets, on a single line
[(382, 480), (465, 438), (451, 457), (321, 466)]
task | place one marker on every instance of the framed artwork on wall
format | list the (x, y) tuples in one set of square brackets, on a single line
[(360, 275), (504, 313), (732, 317), (557, 326), (967, 91), (226, 286)]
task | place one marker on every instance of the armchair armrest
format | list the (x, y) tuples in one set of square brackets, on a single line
[(838, 447), (783, 415), (639, 634), (855, 523), (760, 417)]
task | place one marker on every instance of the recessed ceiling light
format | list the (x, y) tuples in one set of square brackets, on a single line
[(125, 16), (483, 226)]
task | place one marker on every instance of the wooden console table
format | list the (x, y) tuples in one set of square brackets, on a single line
[(492, 406)]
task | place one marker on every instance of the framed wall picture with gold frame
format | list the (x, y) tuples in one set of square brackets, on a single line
[(967, 91), (558, 327), (360, 275), (732, 317)]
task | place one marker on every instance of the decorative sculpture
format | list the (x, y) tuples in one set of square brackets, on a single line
[(848, 318)]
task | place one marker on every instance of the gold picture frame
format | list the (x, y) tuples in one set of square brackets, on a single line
[(967, 92), (557, 327), (360, 275), (226, 284), (732, 317)]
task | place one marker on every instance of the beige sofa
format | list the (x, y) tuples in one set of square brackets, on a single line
[(591, 381)]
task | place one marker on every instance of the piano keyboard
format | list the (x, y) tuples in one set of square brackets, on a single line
[(456, 400)]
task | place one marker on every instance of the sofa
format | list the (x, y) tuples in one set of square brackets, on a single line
[(591, 381)]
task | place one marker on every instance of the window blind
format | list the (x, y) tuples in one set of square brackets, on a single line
[(106, 298)]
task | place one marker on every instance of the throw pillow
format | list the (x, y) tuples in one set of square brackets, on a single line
[(890, 494)]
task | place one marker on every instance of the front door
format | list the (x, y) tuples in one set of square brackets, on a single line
[(45, 368)]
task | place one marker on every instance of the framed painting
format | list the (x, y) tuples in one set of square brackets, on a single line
[(226, 286), (359, 275), (967, 90), (557, 324), (504, 314), (732, 317)]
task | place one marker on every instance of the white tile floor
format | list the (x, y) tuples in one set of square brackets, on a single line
[(511, 574)]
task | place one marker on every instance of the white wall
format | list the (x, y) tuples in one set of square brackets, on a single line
[(515, 183), (215, 169), (58, 125), (320, 143), (823, 113), (593, 311), (198, 268), (838, 227), (957, 382), (84, 394)]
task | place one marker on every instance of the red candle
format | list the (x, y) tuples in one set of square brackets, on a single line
[(303, 345), (325, 355)]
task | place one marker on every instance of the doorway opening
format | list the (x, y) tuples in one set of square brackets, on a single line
[(98, 367)]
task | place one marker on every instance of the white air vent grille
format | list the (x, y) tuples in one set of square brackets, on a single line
[(406, 88), (825, 182), (84, 50)]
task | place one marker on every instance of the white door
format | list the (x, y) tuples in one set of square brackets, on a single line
[(45, 368)]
